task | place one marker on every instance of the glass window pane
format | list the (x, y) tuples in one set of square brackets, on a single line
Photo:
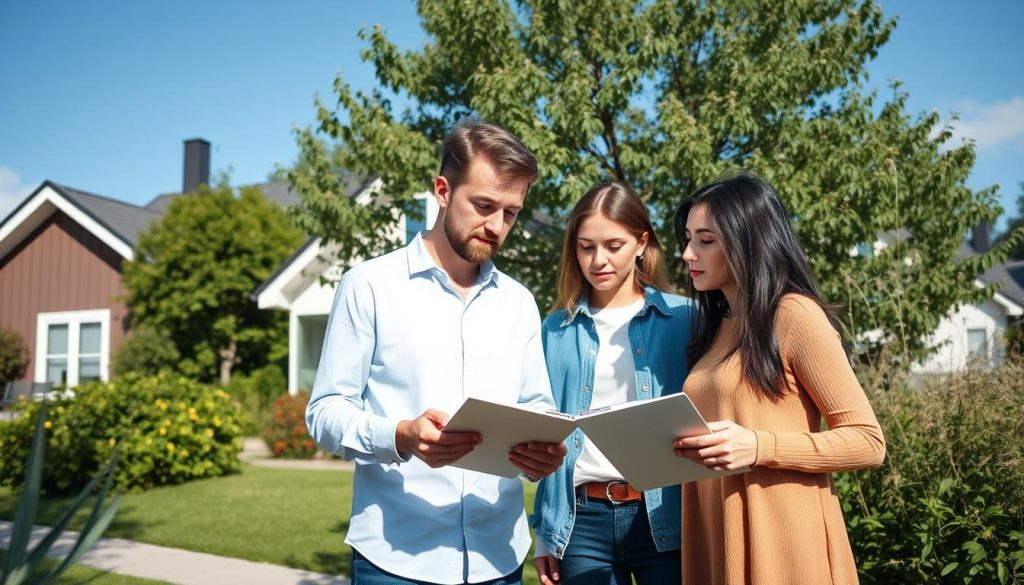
[(57, 339), (977, 342), (88, 369), (89, 338), (57, 370)]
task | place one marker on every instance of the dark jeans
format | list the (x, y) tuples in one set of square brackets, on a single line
[(611, 542), (366, 573)]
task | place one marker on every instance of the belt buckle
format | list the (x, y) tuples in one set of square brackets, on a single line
[(608, 493)]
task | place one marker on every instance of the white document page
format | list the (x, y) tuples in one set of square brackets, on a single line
[(637, 437), (501, 427)]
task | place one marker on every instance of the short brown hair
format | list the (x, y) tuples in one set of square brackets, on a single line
[(472, 136), (618, 202)]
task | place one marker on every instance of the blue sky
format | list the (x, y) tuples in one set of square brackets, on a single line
[(99, 95)]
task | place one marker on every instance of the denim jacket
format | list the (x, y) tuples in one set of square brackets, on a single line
[(658, 334)]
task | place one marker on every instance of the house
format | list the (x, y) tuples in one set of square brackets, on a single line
[(304, 287), (969, 333), (61, 256)]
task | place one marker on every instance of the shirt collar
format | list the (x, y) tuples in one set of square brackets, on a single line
[(421, 262), (652, 298)]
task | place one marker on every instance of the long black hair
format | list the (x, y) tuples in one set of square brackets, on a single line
[(765, 259)]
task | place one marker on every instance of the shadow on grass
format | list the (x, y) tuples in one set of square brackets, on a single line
[(336, 560)]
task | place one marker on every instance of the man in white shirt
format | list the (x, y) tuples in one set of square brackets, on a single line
[(411, 335)]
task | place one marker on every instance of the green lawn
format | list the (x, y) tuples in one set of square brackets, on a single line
[(295, 518)]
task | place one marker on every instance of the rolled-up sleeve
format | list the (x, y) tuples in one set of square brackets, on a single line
[(336, 414)]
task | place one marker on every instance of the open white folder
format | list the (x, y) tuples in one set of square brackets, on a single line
[(636, 437)]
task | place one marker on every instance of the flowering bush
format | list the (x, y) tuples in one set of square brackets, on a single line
[(285, 432), (169, 429)]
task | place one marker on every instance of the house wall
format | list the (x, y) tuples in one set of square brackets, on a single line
[(314, 301), (952, 334), (60, 267)]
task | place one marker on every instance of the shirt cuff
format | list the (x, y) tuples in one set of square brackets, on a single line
[(765, 448), (540, 549), (382, 440)]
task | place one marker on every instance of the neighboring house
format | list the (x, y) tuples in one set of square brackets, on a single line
[(304, 286), (970, 333), (61, 257)]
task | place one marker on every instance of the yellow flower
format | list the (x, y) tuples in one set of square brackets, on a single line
[(149, 440), (216, 421), (111, 441), (170, 447), (167, 422), (47, 424), (163, 431), (209, 433), (183, 453)]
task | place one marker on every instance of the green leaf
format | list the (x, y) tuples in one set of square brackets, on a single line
[(949, 568)]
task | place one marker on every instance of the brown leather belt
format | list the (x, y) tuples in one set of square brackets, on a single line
[(613, 491)]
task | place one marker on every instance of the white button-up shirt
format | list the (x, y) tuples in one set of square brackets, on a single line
[(400, 340)]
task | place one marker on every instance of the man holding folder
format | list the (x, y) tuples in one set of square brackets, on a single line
[(411, 335)]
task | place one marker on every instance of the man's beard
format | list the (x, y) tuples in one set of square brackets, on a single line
[(468, 249)]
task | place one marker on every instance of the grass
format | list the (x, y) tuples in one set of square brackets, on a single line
[(81, 575), (291, 517)]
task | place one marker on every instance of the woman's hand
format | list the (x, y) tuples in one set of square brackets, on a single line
[(727, 446), (547, 569)]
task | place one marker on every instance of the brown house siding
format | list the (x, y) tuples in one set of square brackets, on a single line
[(60, 267)]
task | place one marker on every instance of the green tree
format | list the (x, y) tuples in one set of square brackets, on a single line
[(13, 355), (1012, 226), (195, 270), (668, 94)]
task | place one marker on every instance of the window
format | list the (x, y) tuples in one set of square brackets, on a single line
[(428, 208), (977, 343), (414, 225), (72, 347)]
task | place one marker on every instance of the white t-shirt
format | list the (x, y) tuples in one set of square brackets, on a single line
[(614, 382)]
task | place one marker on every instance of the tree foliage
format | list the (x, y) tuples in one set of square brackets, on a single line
[(13, 355), (667, 95), (195, 270)]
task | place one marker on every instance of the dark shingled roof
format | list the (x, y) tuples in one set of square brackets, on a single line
[(125, 220), (1009, 277)]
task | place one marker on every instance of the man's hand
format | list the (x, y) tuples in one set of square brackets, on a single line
[(537, 459), (547, 569), (728, 446), (423, 437)]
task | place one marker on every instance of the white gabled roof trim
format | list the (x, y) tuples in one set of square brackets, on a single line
[(35, 211), (273, 296), (1012, 309)]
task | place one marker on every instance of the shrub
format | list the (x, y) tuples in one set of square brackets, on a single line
[(13, 355), (168, 429), (948, 504), (255, 392), (285, 432), (146, 352)]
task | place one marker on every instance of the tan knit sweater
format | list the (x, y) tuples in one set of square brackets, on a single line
[(781, 522)]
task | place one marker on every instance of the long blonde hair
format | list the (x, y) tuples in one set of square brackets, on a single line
[(616, 201)]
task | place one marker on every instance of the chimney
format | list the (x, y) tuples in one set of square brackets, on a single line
[(980, 237), (197, 164)]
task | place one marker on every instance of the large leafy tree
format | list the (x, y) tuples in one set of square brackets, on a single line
[(194, 272), (668, 94)]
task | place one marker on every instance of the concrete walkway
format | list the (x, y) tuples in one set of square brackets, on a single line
[(126, 557), (173, 565)]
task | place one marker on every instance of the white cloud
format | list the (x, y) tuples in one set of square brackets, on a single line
[(990, 125), (12, 191)]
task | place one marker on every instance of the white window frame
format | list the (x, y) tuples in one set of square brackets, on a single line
[(74, 320)]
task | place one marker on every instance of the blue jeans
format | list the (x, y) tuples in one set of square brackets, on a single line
[(366, 573), (611, 542)]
